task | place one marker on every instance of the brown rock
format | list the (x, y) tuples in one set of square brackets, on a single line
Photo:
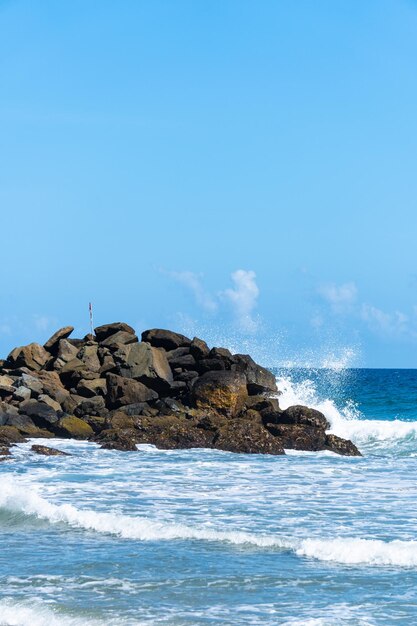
[(341, 446), (106, 330), (299, 437), (90, 388), (52, 344), (119, 338), (45, 451), (301, 415), (222, 391), (259, 378), (199, 349), (32, 356), (72, 427)]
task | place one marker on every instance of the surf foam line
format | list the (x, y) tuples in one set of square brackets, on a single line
[(351, 551), (346, 423)]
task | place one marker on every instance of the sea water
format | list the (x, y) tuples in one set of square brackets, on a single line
[(204, 537)]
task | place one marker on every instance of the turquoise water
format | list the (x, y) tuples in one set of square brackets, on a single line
[(207, 537)]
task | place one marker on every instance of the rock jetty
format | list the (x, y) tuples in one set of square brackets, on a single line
[(167, 390)]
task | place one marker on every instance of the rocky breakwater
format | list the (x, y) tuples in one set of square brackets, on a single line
[(167, 390)]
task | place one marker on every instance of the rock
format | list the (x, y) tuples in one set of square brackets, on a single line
[(66, 352), (187, 362), (199, 349), (174, 354), (52, 385), (91, 406), (120, 420), (6, 381), (6, 391), (42, 415), (52, 344), (32, 356), (259, 379), (223, 354), (119, 338), (148, 365), (187, 377), (52, 403), (263, 403), (299, 437), (88, 355), (45, 451), (112, 439), (166, 339), (223, 391), (31, 382), (242, 435), (72, 427), (21, 394), (210, 365), (301, 415), (341, 446), (71, 402), (10, 435), (123, 391), (90, 388), (102, 332)]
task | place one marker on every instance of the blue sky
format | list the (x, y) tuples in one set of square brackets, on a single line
[(243, 171)]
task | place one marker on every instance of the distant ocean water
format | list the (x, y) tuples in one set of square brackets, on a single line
[(204, 537)]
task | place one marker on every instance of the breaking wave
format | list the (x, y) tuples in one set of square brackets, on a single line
[(354, 551), (348, 422)]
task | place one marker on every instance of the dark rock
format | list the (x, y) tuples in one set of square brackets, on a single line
[(66, 351), (166, 339), (243, 435), (52, 344), (50, 402), (45, 451), (341, 446), (223, 391), (174, 354), (187, 362), (259, 379), (209, 365), (91, 406), (89, 357), (223, 354), (199, 349), (42, 415), (102, 332), (186, 377), (127, 391), (301, 415), (138, 408), (262, 403), (299, 437)]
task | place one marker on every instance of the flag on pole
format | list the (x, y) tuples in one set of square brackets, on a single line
[(90, 308)]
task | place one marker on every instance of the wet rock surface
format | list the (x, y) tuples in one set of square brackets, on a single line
[(167, 390)]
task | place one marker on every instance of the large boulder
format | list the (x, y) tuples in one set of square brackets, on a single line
[(106, 330), (166, 339), (32, 356), (242, 435), (52, 344), (73, 428), (42, 415), (259, 379), (223, 391), (299, 437), (148, 365), (121, 391), (302, 415)]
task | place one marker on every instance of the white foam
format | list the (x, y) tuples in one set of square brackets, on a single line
[(352, 551), (35, 613), (347, 422), (26, 500)]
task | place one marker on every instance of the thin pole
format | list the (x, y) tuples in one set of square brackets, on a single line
[(90, 308)]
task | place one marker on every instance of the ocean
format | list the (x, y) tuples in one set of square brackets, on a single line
[(204, 537)]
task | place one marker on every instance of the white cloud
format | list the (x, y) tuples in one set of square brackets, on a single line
[(340, 297), (42, 323), (387, 323), (243, 298), (193, 282)]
